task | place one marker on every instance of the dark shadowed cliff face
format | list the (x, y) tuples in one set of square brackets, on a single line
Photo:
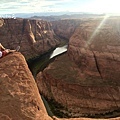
[(65, 28), (34, 36), (86, 80)]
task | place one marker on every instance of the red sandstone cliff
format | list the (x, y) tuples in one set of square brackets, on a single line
[(34, 36), (19, 96), (86, 80), (95, 48), (62, 82)]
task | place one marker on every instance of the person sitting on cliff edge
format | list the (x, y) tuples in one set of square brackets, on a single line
[(4, 51)]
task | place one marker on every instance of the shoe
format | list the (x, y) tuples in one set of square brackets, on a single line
[(17, 48)]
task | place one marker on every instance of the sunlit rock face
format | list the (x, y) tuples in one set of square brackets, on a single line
[(34, 36), (95, 47), (86, 80), (19, 95)]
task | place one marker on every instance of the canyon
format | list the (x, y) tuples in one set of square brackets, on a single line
[(82, 84)]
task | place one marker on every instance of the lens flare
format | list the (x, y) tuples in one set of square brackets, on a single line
[(96, 30)]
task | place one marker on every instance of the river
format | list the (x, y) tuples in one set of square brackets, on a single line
[(38, 64), (58, 51)]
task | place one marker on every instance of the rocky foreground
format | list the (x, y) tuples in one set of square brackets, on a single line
[(86, 81), (19, 96)]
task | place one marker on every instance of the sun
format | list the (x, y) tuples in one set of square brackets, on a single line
[(105, 6)]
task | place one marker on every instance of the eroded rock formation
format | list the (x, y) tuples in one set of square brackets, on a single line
[(86, 81), (19, 96), (34, 36)]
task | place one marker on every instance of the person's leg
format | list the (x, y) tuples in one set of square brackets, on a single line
[(10, 51), (2, 47)]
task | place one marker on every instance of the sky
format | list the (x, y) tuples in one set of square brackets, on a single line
[(34, 6)]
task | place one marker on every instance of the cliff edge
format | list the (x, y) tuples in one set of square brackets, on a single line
[(19, 96)]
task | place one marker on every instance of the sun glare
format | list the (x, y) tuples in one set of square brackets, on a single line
[(96, 30), (106, 6)]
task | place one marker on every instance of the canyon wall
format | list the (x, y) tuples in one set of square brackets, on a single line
[(34, 36), (65, 28), (85, 81), (95, 48)]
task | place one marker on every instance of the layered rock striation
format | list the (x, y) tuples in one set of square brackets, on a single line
[(85, 81), (34, 36), (95, 48)]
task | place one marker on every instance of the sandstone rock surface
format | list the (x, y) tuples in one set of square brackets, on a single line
[(34, 36), (19, 96)]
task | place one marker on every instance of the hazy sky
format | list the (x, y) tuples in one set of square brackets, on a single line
[(26, 6)]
